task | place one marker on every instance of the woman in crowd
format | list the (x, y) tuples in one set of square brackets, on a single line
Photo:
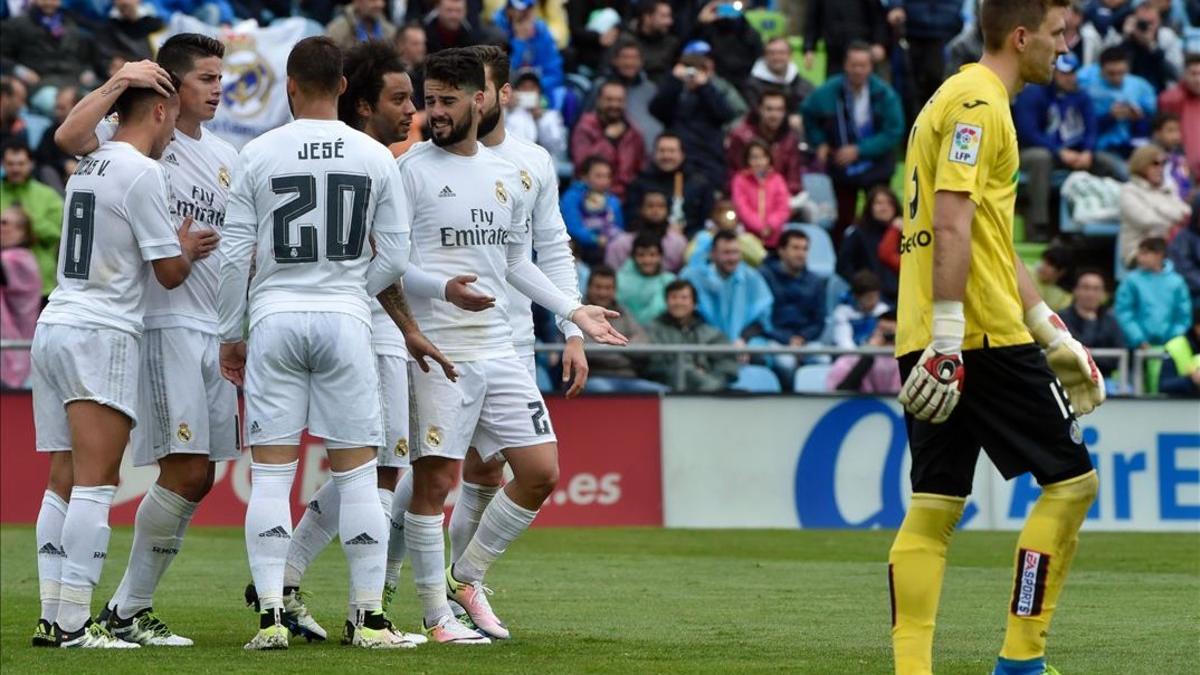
[(1149, 205), (20, 294)]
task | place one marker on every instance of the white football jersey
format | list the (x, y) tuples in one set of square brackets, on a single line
[(309, 194), (115, 221), (200, 173), (465, 215), (386, 337), (547, 235)]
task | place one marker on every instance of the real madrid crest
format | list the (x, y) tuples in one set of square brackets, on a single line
[(433, 437), (249, 79), (184, 433), (526, 180), (224, 178), (401, 447), (501, 195)]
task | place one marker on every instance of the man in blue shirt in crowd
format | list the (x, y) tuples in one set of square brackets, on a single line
[(1123, 102)]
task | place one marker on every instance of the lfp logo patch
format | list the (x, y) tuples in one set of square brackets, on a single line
[(964, 149)]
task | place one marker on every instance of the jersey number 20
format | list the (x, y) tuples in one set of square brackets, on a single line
[(343, 241)]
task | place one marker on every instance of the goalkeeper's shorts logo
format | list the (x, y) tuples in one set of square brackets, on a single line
[(1030, 588)]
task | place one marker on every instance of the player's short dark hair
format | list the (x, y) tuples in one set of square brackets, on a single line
[(998, 19), (1113, 54), (680, 285), (865, 281), (602, 271), (364, 67), (1191, 59), (1162, 119), (647, 240), (593, 161), (724, 235), (315, 64), (180, 52), (134, 100), (858, 46), (1153, 245), (458, 67), (789, 235), (496, 60), (1058, 257)]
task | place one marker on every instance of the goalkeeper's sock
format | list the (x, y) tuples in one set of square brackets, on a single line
[(1044, 552), (916, 565)]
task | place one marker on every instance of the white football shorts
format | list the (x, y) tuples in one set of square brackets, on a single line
[(394, 392)]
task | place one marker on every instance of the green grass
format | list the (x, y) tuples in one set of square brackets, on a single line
[(634, 600)]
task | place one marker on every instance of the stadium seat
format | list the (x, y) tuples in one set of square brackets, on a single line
[(757, 380), (820, 192), (810, 378), (835, 288), (821, 257), (1068, 225)]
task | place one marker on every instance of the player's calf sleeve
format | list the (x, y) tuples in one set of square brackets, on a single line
[(317, 527), (158, 529), (427, 552), (503, 521), (396, 546), (50, 553), (1044, 552), (269, 528), (464, 520), (85, 537), (363, 529), (916, 565)]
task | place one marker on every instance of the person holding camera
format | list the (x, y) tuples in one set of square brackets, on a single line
[(869, 373), (1155, 51)]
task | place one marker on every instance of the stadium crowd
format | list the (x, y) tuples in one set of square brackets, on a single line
[(729, 170)]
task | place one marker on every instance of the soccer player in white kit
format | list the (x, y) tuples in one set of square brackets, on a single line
[(188, 411), (308, 195), (86, 352), (468, 218)]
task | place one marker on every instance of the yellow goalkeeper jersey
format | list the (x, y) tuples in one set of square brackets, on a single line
[(963, 141)]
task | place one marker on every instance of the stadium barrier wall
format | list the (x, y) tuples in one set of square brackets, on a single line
[(823, 462)]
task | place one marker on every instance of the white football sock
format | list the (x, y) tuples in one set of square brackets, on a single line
[(464, 520), (317, 527), (363, 531), (269, 528), (396, 546), (427, 552), (502, 523), (85, 537), (50, 552), (158, 528)]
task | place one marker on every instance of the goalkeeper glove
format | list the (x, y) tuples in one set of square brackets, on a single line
[(1071, 362), (935, 384)]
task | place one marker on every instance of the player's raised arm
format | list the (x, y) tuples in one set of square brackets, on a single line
[(77, 134)]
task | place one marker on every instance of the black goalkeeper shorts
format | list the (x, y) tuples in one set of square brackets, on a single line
[(1013, 407)]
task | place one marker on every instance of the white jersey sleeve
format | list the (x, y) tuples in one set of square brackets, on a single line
[(147, 213), (233, 254)]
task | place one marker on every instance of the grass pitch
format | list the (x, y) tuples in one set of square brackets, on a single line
[(633, 600)]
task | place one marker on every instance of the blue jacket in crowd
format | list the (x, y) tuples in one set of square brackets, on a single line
[(931, 19), (799, 307), (538, 52), (1047, 117), (1117, 134), (735, 304), (1153, 307), (579, 226)]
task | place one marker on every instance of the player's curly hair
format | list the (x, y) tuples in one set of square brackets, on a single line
[(364, 66), (458, 67), (999, 18)]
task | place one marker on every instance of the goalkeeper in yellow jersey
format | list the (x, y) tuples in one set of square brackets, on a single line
[(985, 362)]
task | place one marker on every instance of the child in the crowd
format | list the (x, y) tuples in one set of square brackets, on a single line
[(1153, 305), (723, 217), (1168, 135), (20, 294), (652, 218), (642, 281), (592, 213), (1049, 276), (855, 316), (760, 195)]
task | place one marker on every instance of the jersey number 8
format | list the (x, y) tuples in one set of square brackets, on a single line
[(342, 241), (81, 229)]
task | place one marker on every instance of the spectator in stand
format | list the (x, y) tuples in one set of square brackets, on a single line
[(735, 43), (1168, 135), (1181, 368), (53, 165), (651, 30), (768, 121), (854, 317), (732, 295), (722, 218), (1155, 51), (626, 67), (447, 26), (1123, 102), (855, 121), (840, 23), (532, 45), (529, 118), (610, 372), (691, 105), (869, 373), (642, 281), (20, 294), (1052, 271), (360, 21), (1108, 17), (45, 49), (928, 26), (1183, 99), (595, 27), (592, 213), (13, 129), (608, 133), (1090, 320), (553, 12), (681, 324), (652, 219), (1149, 205), (40, 202), (1057, 129), (776, 71), (860, 247), (127, 31), (411, 44), (760, 195), (1185, 253), (966, 47), (689, 193), (889, 247), (798, 306), (1082, 39), (1153, 305)]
